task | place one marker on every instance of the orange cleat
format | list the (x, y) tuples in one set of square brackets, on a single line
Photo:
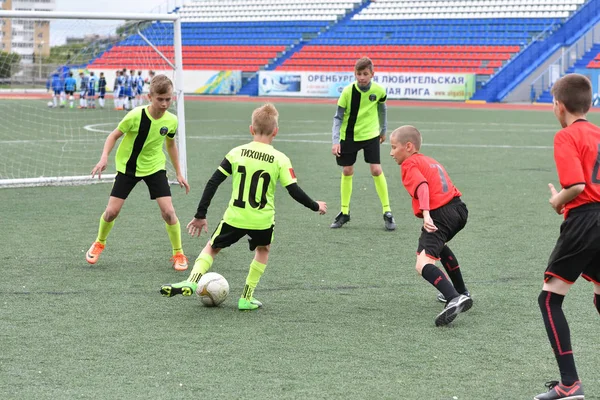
[(180, 262), (94, 252)]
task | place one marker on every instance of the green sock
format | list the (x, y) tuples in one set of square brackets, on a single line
[(174, 232), (346, 191), (104, 229), (256, 271), (382, 192), (201, 266)]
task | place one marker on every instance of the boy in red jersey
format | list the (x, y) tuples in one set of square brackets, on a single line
[(437, 201), (577, 251)]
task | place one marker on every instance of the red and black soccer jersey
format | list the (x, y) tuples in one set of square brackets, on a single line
[(577, 157), (418, 169)]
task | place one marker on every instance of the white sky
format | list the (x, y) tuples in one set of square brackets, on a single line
[(60, 29)]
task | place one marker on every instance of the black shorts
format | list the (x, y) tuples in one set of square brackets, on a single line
[(349, 151), (449, 219), (225, 235), (577, 250), (69, 92), (158, 185)]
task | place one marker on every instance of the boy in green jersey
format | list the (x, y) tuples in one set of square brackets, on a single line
[(360, 123), (255, 169), (140, 157)]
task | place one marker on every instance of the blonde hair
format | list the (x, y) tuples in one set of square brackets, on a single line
[(161, 84), (408, 133), (363, 63), (265, 119)]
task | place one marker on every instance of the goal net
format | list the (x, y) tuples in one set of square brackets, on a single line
[(54, 128)]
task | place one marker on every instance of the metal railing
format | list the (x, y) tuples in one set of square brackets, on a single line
[(567, 59)]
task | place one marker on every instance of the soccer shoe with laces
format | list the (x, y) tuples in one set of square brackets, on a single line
[(93, 253), (442, 299), (558, 391), (453, 308), (180, 262), (245, 304), (340, 220), (388, 220), (184, 288)]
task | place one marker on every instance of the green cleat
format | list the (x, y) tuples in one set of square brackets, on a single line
[(184, 288), (245, 304)]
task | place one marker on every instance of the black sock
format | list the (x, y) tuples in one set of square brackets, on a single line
[(597, 301), (558, 332), (438, 279), (452, 268)]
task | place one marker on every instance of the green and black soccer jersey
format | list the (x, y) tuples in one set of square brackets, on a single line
[(361, 119), (140, 152), (255, 168)]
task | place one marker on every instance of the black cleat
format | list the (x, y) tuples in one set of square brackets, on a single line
[(558, 391), (442, 299), (340, 220), (388, 219), (453, 308)]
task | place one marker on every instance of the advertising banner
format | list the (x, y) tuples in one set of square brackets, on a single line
[(421, 86)]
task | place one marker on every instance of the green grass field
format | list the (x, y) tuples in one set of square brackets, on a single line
[(346, 316)]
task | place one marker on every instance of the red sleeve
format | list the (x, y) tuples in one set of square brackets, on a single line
[(423, 196), (568, 163), (411, 177)]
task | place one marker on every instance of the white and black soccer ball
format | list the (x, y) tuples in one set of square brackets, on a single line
[(50, 104), (212, 289)]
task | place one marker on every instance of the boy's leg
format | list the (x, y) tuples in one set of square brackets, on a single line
[(260, 242), (107, 221), (597, 297), (372, 156), (346, 188), (224, 236), (450, 263), (201, 266), (173, 228), (257, 268), (159, 189), (345, 194), (429, 250), (550, 302)]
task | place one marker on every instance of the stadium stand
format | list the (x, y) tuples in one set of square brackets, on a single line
[(466, 36)]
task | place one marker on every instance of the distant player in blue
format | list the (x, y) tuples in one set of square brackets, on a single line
[(139, 89), (83, 88), (70, 87), (57, 88), (91, 93), (128, 90), (101, 89), (121, 81)]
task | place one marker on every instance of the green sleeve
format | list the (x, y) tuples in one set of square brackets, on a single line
[(127, 122)]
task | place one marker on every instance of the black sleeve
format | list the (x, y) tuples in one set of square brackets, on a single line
[(211, 188), (298, 194)]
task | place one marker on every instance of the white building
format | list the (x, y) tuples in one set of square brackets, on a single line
[(26, 37)]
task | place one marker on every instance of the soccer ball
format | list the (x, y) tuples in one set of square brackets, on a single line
[(212, 289), (50, 104)]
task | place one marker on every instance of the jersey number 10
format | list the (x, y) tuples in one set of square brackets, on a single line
[(254, 180)]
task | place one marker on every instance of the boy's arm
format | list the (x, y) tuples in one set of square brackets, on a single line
[(301, 197), (423, 197), (108, 146), (559, 199), (338, 118), (174, 155), (382, 113), (209, 192), (199, 223)]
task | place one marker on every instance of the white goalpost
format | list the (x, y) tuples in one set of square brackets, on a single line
[(57, 140)]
